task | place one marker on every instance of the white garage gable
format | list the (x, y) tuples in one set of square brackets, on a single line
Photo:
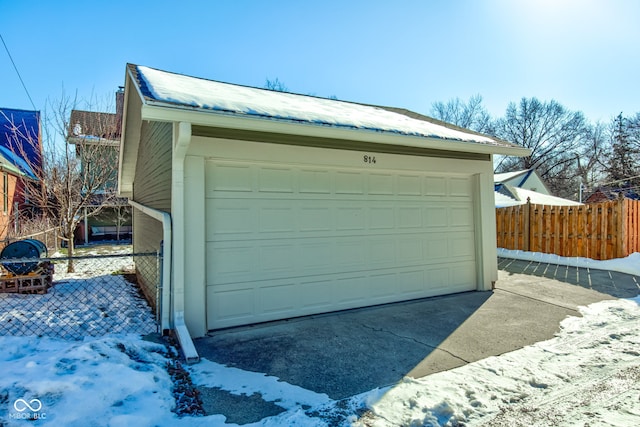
[(286, 205)]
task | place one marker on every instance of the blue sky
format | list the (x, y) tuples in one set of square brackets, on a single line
[(582, 53)]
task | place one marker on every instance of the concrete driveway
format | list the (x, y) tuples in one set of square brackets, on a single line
[(347, 353)]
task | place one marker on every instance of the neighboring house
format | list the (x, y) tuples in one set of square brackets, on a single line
[(100, 132), (527, 179), (606, 194), (515, 188), (507, 195), (20, 163), (9, 210), (274, 205)]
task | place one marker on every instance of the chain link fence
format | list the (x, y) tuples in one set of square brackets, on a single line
[(50, 238), (103, 295)]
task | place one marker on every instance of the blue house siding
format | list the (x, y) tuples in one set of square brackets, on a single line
[(20, 139)]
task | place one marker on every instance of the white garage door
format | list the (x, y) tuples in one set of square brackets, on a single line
[(286, 240)]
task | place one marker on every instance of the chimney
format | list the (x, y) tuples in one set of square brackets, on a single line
[(119, 108), (119, 100)]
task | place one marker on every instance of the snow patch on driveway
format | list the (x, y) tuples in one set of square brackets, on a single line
[(238, 381), (588, 373)]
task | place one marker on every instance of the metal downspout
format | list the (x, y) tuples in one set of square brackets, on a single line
[(165, 219), (189, 350), (182, 139)]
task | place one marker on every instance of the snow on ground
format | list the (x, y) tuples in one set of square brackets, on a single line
[(628, 265), (589, 374), (237, 381), (89, 301), (116, 381)]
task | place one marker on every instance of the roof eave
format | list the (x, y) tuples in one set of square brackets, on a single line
[(158, 111), (89, 140), (128, 153)]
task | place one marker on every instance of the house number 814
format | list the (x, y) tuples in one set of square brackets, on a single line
[(369, 159)]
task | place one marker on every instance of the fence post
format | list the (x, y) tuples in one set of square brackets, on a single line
[(159, 261), (622, 229), (527, 225)]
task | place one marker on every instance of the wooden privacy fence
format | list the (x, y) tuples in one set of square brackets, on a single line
[(599, 231)]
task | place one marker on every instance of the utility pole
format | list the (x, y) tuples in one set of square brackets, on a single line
[(580, 191)]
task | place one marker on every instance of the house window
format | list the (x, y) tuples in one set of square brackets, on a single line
[(5, 193)]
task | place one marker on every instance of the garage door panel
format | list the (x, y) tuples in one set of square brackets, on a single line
[(381, 218), (275, 180), (381, 184), (409, 185), (230, 217), (278, 299), (229, 177), (410, 217), (275, 259), (274, 219), (281, 258), (258, 301), (230, 261), (460, 187), (350, 218), (437, 278), (461, 245), (317, 258), (316, 295), (350, 254), (231, 306), (350, 291), (314, 181), (461, 276), (314, 218), (461, 216), (436, 247), (349, 182), (382, 252), (436, 216), (382, 286), (435, 186), (411, 284), (410, 250), (288, 240)]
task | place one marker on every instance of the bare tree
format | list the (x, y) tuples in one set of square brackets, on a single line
[(123, 216), (555, 136), (78, 168), (276, 85), (633, 127), (470, 115), (623, 166), (590, 156)]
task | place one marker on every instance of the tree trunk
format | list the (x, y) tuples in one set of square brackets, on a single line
[(70, 248)]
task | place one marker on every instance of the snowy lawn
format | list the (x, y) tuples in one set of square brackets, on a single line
[(90, 302), (589, 374)]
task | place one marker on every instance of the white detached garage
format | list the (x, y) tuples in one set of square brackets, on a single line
[(280, 205)]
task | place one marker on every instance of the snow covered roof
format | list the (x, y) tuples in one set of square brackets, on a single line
[(503, 201), (508, 195), (162, 88), (506, 176), (542, 199), (90, 125), (15, 164)]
